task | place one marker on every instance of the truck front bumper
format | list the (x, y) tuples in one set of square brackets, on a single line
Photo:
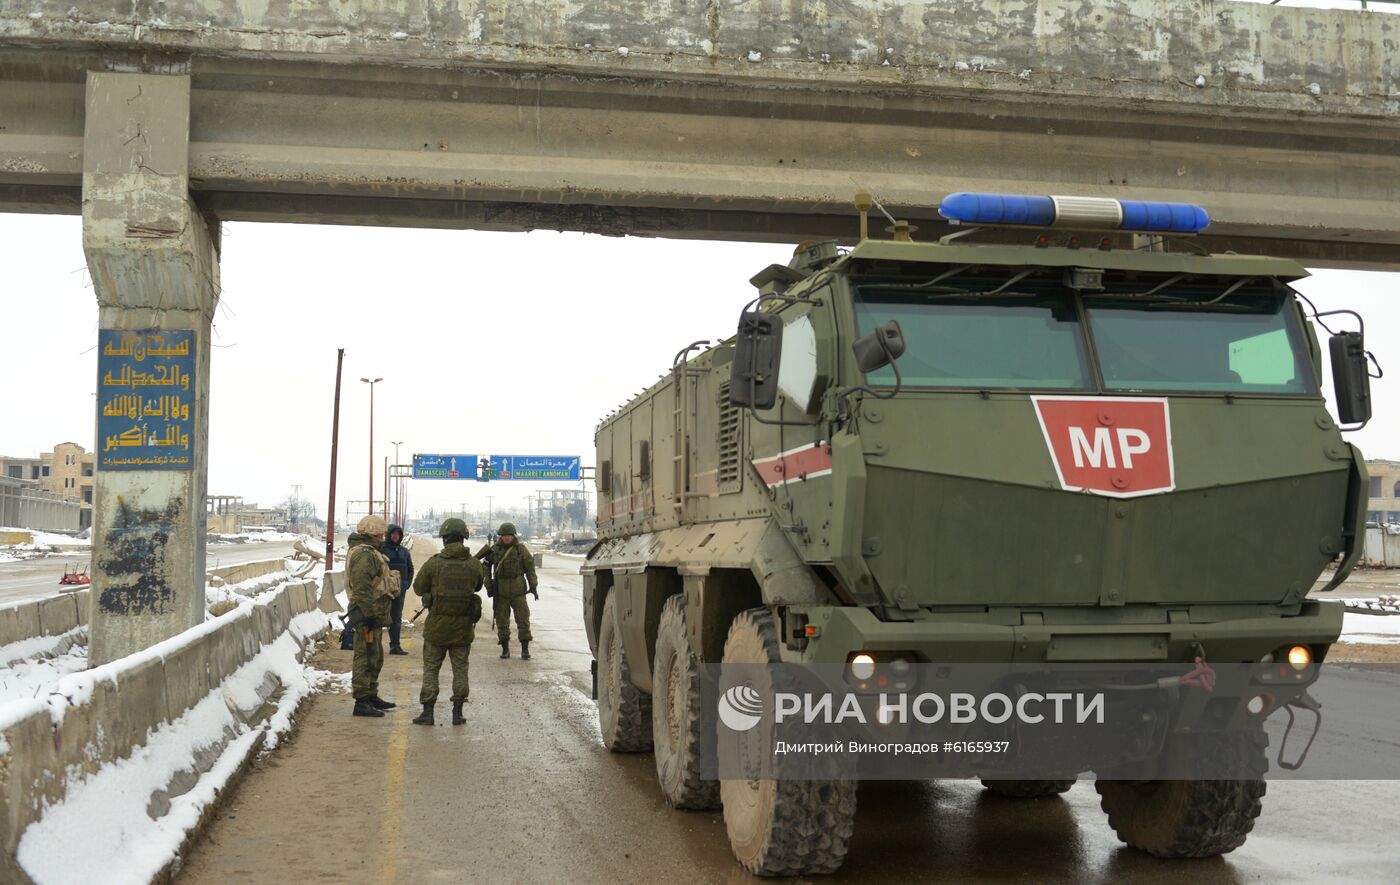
[(841, 631)]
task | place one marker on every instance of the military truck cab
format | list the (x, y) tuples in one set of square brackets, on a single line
[(1064, 450)]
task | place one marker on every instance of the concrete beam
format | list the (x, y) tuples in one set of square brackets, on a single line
[(154, 267), (742, 120)]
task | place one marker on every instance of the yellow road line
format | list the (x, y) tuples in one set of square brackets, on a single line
[(395, 761)]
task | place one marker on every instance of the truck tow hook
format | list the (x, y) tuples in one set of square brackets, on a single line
[(1307, 702)]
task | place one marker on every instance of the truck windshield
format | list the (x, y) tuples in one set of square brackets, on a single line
[(1247, 343), (1030, 341)]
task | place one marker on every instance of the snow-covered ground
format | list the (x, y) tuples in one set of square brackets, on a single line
[(31, 667), (46, 539), (254, 537), (1377, 629), (120, 840), (42, 544)]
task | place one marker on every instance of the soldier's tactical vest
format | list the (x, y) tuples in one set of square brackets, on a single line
[(453, 594), (508, 565), (381, 582)]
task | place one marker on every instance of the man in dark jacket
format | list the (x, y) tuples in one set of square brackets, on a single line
[(401, 561)]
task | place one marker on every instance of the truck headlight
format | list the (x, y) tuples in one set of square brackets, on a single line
[(863, 666)]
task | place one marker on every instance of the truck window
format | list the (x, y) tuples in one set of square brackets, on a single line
[(1244, 344), (1028, 342)]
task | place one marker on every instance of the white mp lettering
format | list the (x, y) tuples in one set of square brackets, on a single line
[(1100, 451), (1141, 444)]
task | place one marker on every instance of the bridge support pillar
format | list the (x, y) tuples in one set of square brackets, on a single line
[(153, 257)]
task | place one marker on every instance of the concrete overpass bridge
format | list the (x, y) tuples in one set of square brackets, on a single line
[(749, 119)]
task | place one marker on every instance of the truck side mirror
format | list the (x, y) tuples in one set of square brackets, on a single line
[(881, 347), (758, 347), (1351, 377)]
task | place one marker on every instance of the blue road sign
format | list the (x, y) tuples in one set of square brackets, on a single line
[(558, 467), (444, 466), (563, 468)]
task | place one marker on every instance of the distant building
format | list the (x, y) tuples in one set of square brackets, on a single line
[(68, 472), (1383, 505), (229, 515)]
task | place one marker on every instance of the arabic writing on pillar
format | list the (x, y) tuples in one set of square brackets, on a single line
[(155, 423), (138, 346)]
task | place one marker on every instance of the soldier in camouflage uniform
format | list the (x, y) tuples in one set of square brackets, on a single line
[(448, 583), (372, 588), (515, 577)]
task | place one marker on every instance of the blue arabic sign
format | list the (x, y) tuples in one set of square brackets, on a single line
[(560, 467), (488, 467), (444, 467), (145, 399)]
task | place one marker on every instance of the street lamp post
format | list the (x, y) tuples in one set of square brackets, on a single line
[(398, 486), (371, 439)]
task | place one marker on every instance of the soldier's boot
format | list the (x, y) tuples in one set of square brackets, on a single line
[(363, 707), (505, 649), (426, 717), (457, 717), (380, 704), (524, 650)]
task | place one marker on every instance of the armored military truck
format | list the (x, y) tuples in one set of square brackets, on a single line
[(1068, 449)]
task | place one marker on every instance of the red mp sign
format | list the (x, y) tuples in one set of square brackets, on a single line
[(1107, 445)]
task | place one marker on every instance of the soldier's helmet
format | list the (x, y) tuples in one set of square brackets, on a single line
[(372, 525), (453, 526), (507, 528)]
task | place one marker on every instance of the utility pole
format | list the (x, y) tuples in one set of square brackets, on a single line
[(294, 508), (370, 507), (489, 513), (335, 447)]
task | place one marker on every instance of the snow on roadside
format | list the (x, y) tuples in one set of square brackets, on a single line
[(102, 831), (1377, 629), (33, 677), (45, 539), (254, 537)]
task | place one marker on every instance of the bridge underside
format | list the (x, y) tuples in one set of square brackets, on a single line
[(664, 149)]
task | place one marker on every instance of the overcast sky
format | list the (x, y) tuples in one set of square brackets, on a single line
[(487, 342)]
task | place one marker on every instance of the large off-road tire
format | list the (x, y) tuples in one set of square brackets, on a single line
[(1026, 789), (675, 714), (624, 711), (782, 828), (1192, 818)]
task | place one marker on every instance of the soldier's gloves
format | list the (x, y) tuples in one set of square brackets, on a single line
[(535, 593)]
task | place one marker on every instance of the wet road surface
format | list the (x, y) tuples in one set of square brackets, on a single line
[(525, 792), (38, 578)]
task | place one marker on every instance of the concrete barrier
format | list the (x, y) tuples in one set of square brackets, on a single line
[(332, 583), (52, 616), (18, 622), (103, 715), (237, 574), (59, 614)]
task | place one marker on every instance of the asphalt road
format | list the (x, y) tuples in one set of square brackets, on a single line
[(525, 792), (37, 578)]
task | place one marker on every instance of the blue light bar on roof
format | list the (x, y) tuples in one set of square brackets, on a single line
[(1097, 213)]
